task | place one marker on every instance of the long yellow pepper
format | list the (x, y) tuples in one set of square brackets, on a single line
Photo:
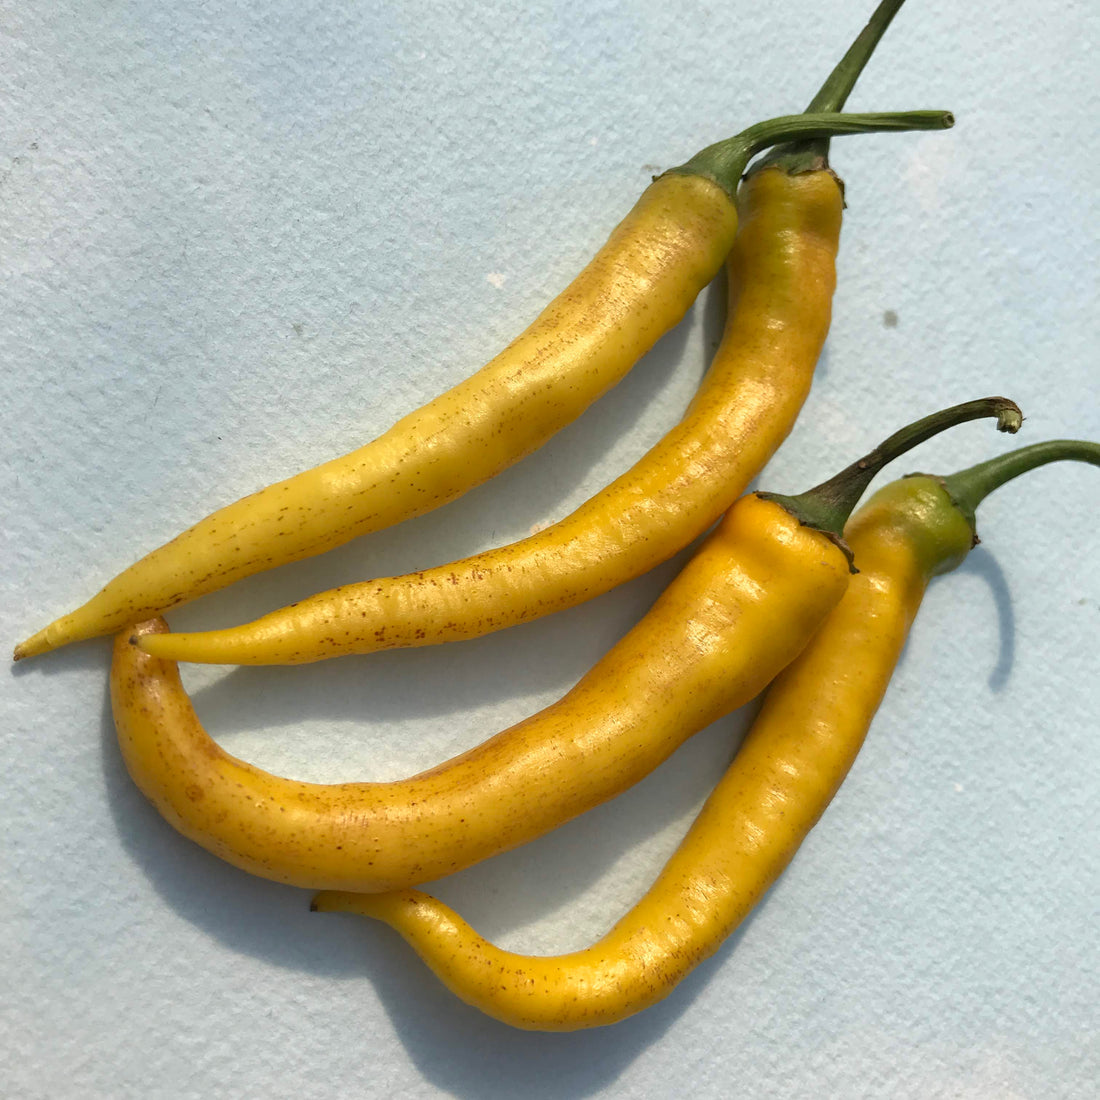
[(740, 610), (811, 727), (782, 274), (637, 287)]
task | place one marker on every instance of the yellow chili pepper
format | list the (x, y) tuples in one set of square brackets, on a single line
[(741, 610), (798, 751), (638, 286), (782, 273)]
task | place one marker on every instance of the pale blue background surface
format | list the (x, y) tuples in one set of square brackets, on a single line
[(239, 239)]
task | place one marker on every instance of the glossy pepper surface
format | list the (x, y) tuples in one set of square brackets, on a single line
[(741, 609), (638, 285), (782, 274), (799, 749), (782, 278)]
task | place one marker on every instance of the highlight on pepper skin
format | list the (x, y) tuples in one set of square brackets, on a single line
[(812, 725), (740, 610), (782, 274), (638, 286)]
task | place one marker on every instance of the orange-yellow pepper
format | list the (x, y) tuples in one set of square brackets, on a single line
[(740, 610), (798, 751)]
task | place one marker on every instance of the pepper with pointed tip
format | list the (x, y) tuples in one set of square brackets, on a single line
[(740, 610), (638, 286), (811, 727), (782, 274)]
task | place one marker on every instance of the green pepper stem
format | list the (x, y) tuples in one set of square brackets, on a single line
[(968, 488), (813, 156), (827, 506), (833, 94), (724, 162)]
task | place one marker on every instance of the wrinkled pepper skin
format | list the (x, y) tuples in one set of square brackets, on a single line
[(782, 274), (742, 609), (812, 724)]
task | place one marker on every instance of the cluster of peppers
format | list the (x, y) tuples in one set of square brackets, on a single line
[(785, 591)]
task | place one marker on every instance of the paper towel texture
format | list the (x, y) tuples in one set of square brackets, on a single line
[(239, 239)]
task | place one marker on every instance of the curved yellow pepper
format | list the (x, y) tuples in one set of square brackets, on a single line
[(782, 276), (741, 609), (636, 288), (782, 273), (798, 751)]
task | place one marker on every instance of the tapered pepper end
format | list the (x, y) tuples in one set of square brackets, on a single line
[(61, 632), (813, 156), (230, 650), (331, 901), (827, 506), (35, 645)]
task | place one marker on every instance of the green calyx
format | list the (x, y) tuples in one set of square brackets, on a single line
[(813, 155), (968, 488), (725, 161), (827, 506)]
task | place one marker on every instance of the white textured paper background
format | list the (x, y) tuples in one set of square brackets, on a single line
[(239, 239)]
